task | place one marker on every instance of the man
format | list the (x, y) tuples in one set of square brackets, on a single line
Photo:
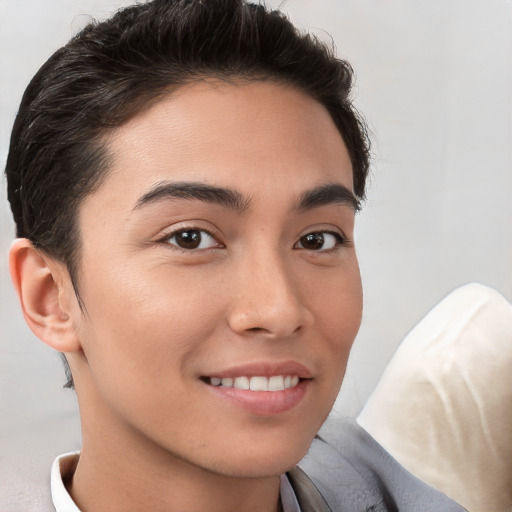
[(184, 179)]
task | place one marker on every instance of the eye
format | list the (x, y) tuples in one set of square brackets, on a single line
[(320, 241), (192, 239)]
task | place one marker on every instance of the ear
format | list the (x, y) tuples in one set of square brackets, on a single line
[(46, 295)]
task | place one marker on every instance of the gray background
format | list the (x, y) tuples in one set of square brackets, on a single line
[(433, 80)]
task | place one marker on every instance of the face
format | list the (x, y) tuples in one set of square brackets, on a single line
[(219, 277)]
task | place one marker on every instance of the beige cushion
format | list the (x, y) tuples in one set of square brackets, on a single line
[(443, 407)]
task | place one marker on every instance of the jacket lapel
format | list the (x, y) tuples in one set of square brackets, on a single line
[(308, 496)]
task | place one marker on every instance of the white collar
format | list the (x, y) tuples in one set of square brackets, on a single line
[(66, 464), (63, 465)]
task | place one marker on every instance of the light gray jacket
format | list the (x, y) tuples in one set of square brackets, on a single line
[(346, 470)]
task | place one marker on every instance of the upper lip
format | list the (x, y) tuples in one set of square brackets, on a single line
[(265, 369)]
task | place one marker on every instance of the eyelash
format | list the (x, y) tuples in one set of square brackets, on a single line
[(339, 240), (169, 236)]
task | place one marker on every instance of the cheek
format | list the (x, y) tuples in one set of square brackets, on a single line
[(145, 327), (141, 350), (339, 307), (339, 313)]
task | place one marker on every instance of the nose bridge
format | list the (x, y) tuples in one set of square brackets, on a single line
[(268, 297)]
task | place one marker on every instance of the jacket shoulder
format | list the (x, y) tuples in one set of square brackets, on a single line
[(355, 474)]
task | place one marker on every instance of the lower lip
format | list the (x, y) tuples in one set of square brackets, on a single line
[(264, 403)]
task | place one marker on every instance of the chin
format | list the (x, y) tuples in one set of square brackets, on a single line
[(261, 460)]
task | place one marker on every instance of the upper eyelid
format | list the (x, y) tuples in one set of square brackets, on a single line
[(170, 231), (331, 230), (335, 234), (342, 239), (166, 240), (215, 233), (182, 230)]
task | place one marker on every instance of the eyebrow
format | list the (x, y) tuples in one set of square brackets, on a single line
[(330, 193), (194, 191), (323, 195)]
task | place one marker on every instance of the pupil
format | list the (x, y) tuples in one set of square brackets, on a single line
[(189, 239), (313, 241)]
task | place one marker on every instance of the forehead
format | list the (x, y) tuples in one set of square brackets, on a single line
[(235, 135)]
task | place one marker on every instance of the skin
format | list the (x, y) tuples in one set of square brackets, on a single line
[(158, 318)]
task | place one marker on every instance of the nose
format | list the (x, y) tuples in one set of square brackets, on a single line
[(268, 299)]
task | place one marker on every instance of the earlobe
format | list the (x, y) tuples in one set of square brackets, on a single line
[(41, 285)]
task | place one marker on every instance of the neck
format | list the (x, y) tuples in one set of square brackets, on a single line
[(99, 486), (127, 472)]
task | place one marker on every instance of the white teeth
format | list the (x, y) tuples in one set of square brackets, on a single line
[(241, 383), (274, 383), (259, 384)]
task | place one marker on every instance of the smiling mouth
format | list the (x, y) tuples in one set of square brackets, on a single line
[(265, 388), (257, 383)]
